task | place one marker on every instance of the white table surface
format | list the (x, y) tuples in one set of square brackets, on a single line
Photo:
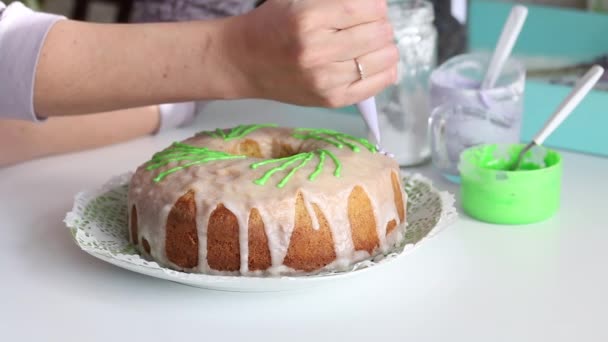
[(472, 282)]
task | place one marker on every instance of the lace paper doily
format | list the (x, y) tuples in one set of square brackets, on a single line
[(99, 225)]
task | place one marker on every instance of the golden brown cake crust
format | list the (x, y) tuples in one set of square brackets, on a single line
[(223, 250), (249, 148), (146, 245), (181, 243), (362, 221), (390, 226), (309, 249), (259, 254), (398, 196), (133, 220)]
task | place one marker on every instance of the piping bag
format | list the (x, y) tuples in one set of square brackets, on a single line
[(367, 109)]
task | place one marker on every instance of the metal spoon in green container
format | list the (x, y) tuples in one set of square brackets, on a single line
[(581, 89)]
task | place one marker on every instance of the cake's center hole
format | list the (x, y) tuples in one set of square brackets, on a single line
[(282, 150), (278, 149)]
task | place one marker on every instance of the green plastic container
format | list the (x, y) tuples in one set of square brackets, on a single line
[(493, 194)]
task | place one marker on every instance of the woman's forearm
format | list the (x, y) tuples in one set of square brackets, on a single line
[(300, 52), (21, 140), (85, 68)]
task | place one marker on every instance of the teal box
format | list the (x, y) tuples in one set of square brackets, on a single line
[(548, 31), (585, 130), (575, 35)]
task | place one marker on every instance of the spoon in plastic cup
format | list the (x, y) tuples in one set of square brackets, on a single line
[(505, 44), (581, 89)]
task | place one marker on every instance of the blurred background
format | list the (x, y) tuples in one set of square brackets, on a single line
[(120, 10), (560, 40), (90, 10)]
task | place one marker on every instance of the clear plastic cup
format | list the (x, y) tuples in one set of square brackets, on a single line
[(463, 115), (403, 108)]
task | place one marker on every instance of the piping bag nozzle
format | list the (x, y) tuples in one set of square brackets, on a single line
[(367, 108)]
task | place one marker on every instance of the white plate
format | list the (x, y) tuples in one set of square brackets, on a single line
[(98, 223)]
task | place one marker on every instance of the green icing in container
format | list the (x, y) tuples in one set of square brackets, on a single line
[(492, 193)]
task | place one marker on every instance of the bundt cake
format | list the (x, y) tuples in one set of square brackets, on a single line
[(261, 200)]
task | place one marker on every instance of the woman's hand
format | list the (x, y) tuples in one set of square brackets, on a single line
[(295, 51), (304, 52)]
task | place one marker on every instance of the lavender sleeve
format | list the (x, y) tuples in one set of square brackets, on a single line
[(22, 33)]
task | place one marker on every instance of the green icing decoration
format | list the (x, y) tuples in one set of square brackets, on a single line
[(303, 158), (335, 138), (200, 155), (333, 157), (180, 152), (237, 132)]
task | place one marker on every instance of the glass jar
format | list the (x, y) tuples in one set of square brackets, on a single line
[(403, 109)]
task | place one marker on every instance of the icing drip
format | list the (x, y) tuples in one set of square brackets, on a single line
[(311, 213), (181, 152), (237, 132), (334, 138)]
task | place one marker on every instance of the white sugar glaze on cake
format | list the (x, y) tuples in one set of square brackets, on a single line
[(231, 183)]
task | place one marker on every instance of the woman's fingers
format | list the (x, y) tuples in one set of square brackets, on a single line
[(343, 14), (360, 40), (362, 89), (344, 73), (372, 85), (303, 51)]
